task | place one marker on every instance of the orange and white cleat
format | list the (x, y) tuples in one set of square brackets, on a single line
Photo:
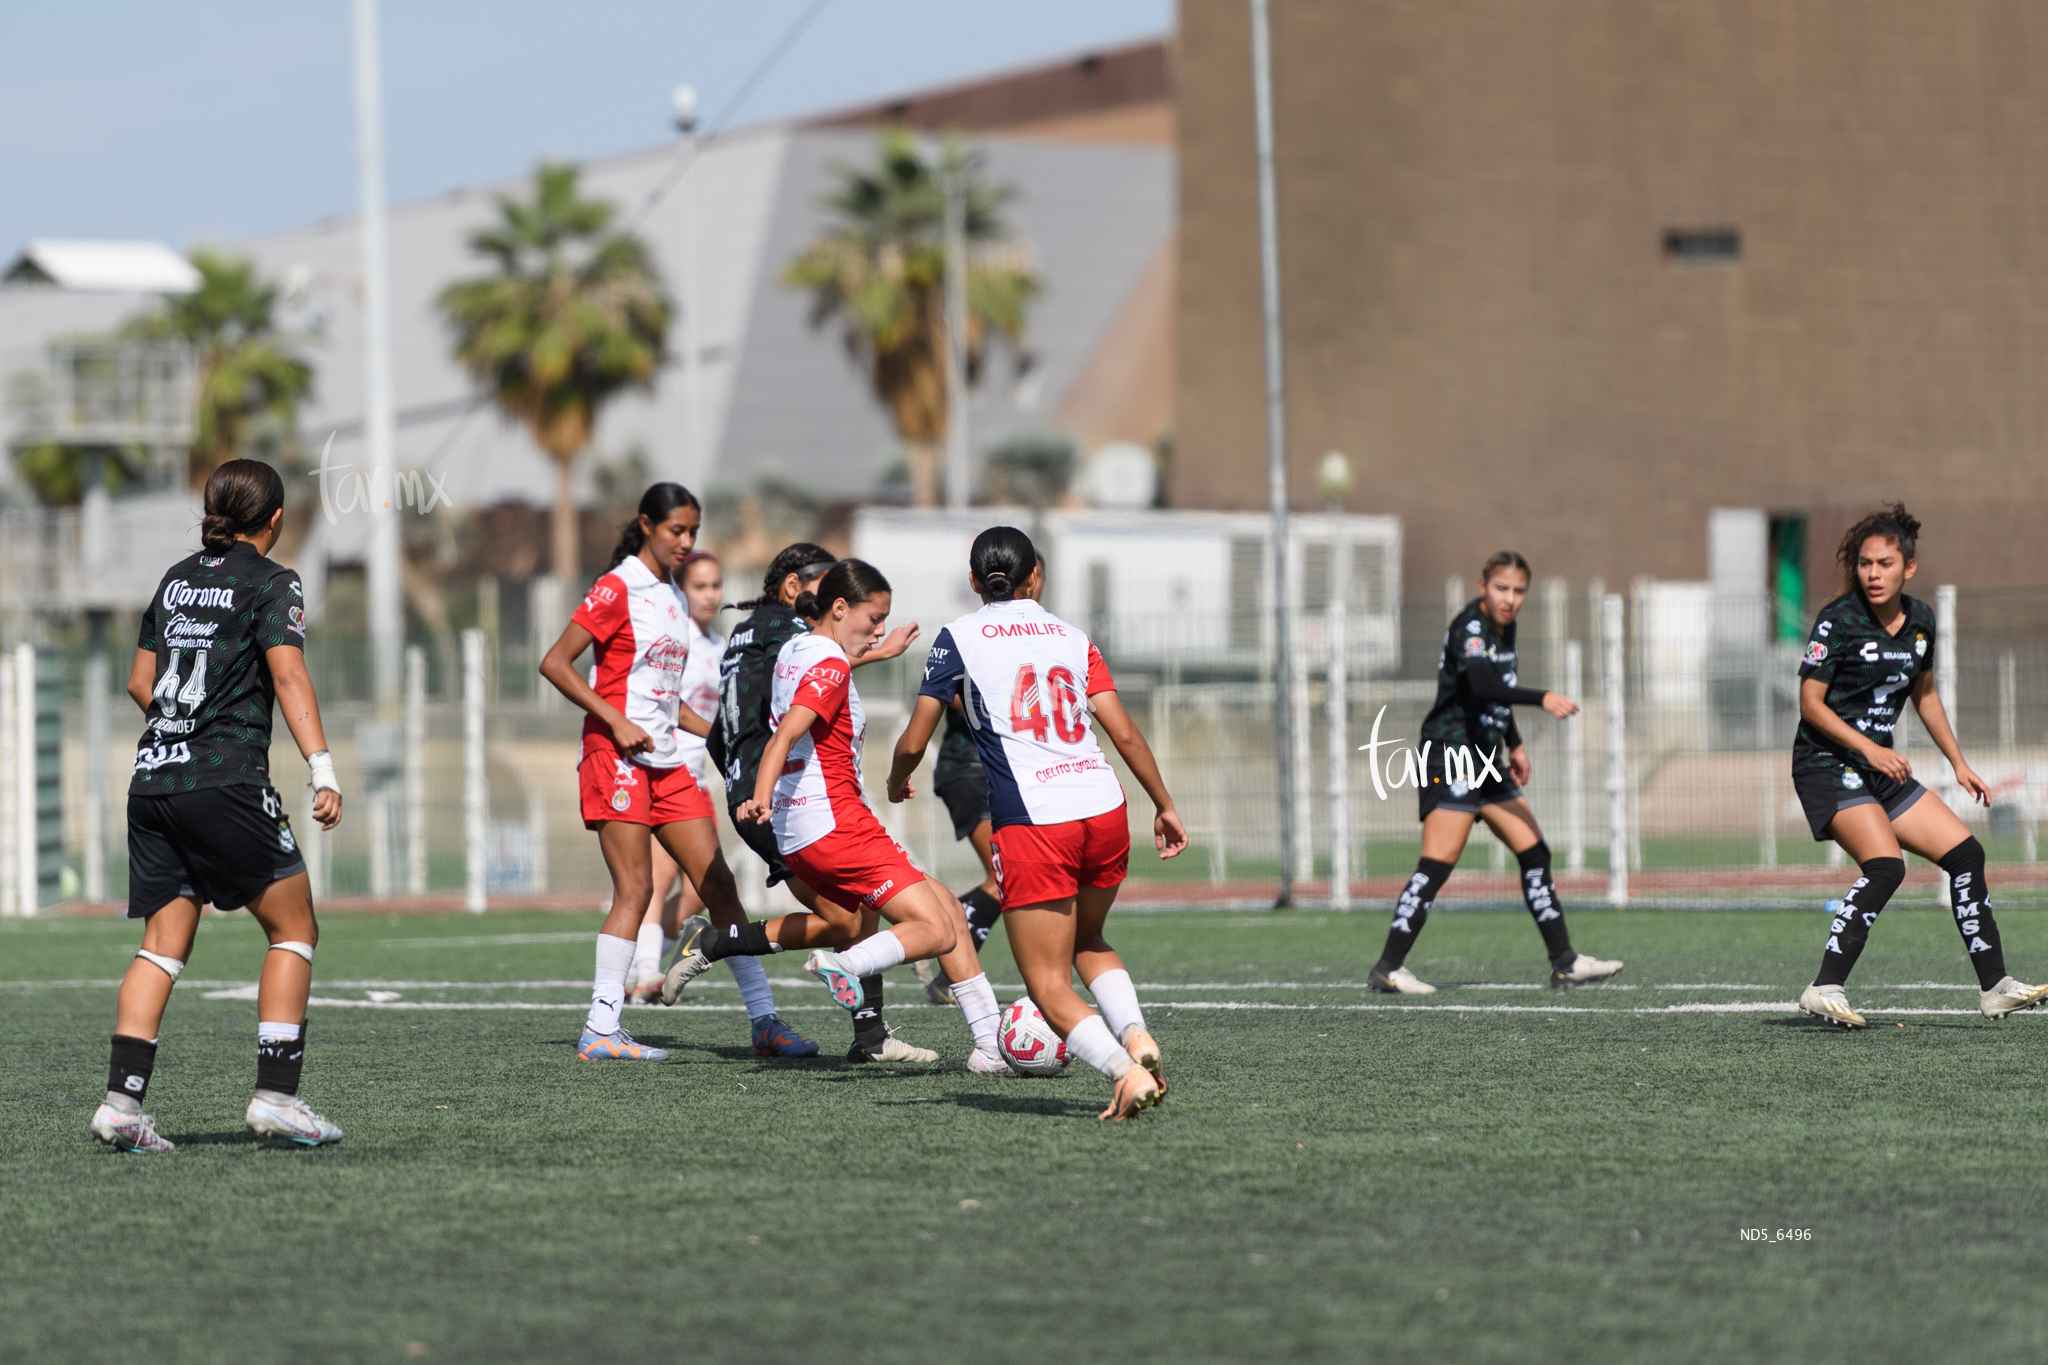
[(1135, 1090), (1144, 1050)]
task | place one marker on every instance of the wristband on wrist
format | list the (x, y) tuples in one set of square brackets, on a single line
[(322, 765)]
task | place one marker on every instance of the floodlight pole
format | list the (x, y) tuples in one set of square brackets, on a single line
[(957, 458), (1276, 450), (382, 565)]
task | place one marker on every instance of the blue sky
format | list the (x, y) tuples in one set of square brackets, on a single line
[(214, 119)]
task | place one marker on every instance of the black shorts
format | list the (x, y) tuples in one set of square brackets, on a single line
[(219, 845), (761, 839), (1439, 795), (966, 801), (1825, 790)]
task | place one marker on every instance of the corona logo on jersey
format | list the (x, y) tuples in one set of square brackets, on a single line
[(1463, 766), (179, 593)]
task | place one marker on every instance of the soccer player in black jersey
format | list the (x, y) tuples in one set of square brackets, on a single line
[(222, 642), (736, 743), (1871, 650), (1472, 767)]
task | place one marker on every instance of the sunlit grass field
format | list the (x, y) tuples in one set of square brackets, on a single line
[(1497, 1173)]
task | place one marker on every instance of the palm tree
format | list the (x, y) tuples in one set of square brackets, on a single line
[(574, 314), (251, 381), (880, 270)]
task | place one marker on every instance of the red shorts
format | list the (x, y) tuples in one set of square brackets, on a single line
[(613, 789), (1038, 864), (862, 867)]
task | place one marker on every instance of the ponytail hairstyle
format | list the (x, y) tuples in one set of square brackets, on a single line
[(656, 503), (852, 581), (1503, 559), (241, 498), (1891, 521), (1001, 561), (803, 559)]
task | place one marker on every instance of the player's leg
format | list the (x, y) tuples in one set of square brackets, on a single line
[(823, 924), (138, 1018), (285, 911), (643, 976), (1866, 835), (1929, 828), (628, 857), (966, 983), (1514, 824), (1103, 972), (985, 902), (1043, 939), (1444, 832)]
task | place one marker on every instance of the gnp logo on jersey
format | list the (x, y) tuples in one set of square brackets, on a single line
[(1815, 652)]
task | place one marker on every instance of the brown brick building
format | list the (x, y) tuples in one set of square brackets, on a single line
[(1566, 276)]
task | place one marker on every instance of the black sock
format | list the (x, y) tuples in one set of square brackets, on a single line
[(129, 1066), (1850, 927), (1411, 911), (278, 1062), (1964, 865), (983, 910), (868, 1029), (1539, 893), (741, 940)]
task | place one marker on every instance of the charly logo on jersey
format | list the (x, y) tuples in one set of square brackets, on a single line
[(1471, 627), (1823, 628), (1815, 653), (1869, 652)]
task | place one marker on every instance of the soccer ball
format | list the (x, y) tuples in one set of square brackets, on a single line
[(1028, 1043)]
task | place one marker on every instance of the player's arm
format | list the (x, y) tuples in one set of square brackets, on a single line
[(686, 719), (142, 678), (1813, 709), (301, 712), (1169, 835), (1927, 701), (1486, 685), (888, 647), (558, 666), (910, 747), (761, 805)]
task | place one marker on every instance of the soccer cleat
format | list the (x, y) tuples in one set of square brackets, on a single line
[(1135, 1090), (1144, 1050), (1583, 971), (286, 1116), (773, 1038), (824, 964), (1401, 981), (134, 1132), (690, 961), (645, 991), (989, 1064), (893, 1049), (616, 1046), (938, 990), (2009, 997), (1832, 1004)]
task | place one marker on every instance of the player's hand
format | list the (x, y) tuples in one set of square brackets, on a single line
[(1559, 705), (892, 644), (899, 792), (327, 807), (630, 738), (752, 811), (1169, 835), (1967, 779), (1890, 762), (1518, 764)]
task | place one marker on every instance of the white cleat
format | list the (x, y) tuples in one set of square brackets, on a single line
[(286, 1116), (124, 1132), (989, 1064), (1401, 981), (692, 937), (2009, 997), (893, 1049), (1584, 971), (1830, 1003)]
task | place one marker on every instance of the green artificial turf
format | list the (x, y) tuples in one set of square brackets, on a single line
[(1474, 1177)]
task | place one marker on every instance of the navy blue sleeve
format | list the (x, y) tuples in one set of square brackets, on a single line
[(943, 669)]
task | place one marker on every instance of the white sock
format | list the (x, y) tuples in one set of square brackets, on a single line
[(1093, 1043), (608, 987), (877, 954), (977, 1002), (646, 953), (753, 982), (1117, 998), (279, 1033)]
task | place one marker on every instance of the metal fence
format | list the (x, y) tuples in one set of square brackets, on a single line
[(1672, 786)]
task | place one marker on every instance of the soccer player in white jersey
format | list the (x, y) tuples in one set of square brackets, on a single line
[(809, 788), (1029, 682), (633, 776), (700, 583)]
